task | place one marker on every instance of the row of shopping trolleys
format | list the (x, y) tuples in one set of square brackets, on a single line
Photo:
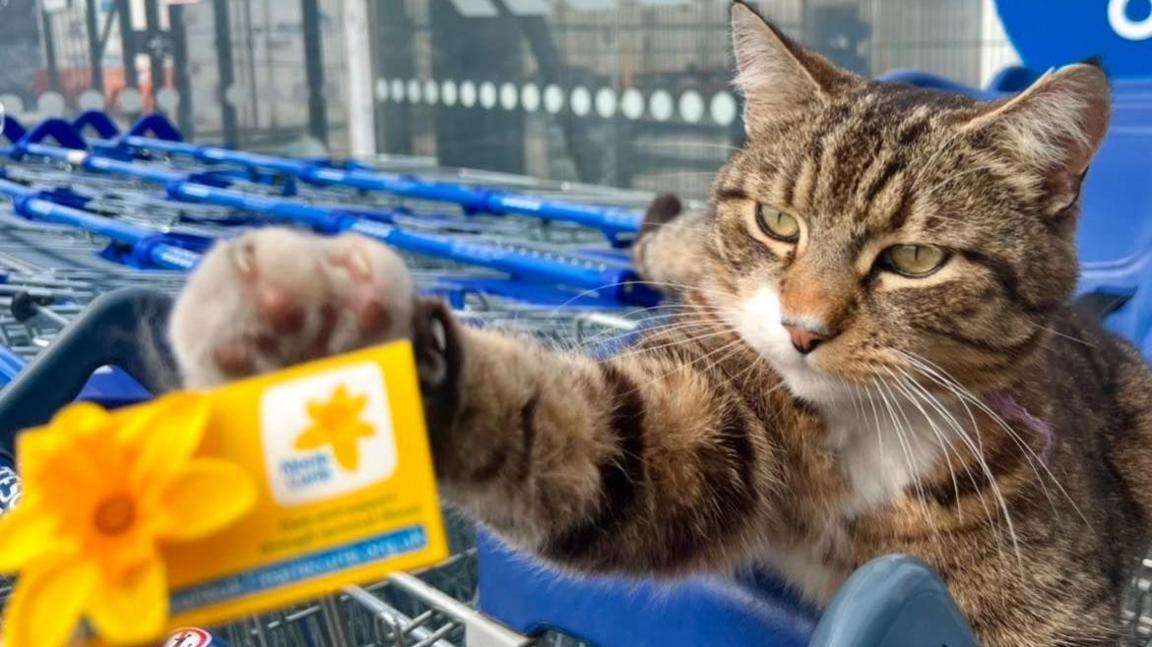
[(86, 210), (142, 207)]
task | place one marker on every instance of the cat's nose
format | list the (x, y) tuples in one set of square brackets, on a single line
[(804, 338)]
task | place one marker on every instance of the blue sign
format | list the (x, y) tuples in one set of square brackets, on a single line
[(1052, 33)]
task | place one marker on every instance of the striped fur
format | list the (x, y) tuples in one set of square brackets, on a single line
[(970, 417)]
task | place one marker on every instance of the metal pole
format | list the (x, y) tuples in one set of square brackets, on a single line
[(50, 50), (224, 68), (314, 71), (128, 43), (358, 56), (180, 76), (155, 45), (95, 50), (250, 60)]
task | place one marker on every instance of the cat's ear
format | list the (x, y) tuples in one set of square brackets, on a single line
[(1055, 126), (775, 74)]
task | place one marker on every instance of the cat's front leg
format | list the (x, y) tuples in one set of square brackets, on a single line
[(647, 463)]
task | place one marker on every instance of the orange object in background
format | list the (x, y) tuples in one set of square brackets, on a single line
[(74, 81)]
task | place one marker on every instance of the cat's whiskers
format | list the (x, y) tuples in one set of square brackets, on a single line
[(966, 397), (1065, 336), (945, 445), (675, 321), (757, 360), (674, 311), (949, 418), (876, 420), (682, 316), (639, 350), (893, 407), (737, 346), (592, 291), (730, 349), (1029, 454), (976, 447), (685, 287), (977, 451)]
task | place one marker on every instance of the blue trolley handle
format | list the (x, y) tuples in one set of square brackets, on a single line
[(619, 283), (123, 328), (615, 222), (149, 248)]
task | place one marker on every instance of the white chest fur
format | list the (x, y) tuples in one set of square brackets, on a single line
[(884, 446), (881, 456)]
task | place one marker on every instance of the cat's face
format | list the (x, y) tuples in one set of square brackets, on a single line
[(869, 232)]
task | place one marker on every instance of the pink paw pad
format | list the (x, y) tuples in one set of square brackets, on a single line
[(282, 312), (373, 318), (233, 359)]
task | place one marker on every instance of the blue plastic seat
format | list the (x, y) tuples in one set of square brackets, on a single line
[(1115, 233), (893, 601), (532, 598)]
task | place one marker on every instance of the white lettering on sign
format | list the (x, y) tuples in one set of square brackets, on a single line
[(1124, 26)]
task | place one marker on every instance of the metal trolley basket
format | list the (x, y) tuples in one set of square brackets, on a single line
[(92, 218), (59, 255)]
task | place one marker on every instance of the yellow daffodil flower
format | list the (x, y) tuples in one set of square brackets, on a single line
[(101, 493), (337, 422)]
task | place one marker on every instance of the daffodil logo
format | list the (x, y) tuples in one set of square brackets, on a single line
[(336, 422), (327, 434)]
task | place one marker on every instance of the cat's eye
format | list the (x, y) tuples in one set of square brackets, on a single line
[(777, 224), (914, 260)]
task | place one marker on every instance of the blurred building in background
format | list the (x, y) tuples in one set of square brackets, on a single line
[(632, 93)]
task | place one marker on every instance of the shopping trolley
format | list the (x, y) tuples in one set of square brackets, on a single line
[(59, 261), (77, 244)]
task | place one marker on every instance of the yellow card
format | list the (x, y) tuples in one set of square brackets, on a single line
[(346, 490)]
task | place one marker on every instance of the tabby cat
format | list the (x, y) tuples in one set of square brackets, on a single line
[(873, 353)]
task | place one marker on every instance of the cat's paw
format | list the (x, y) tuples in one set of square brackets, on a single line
[(275, 297)]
